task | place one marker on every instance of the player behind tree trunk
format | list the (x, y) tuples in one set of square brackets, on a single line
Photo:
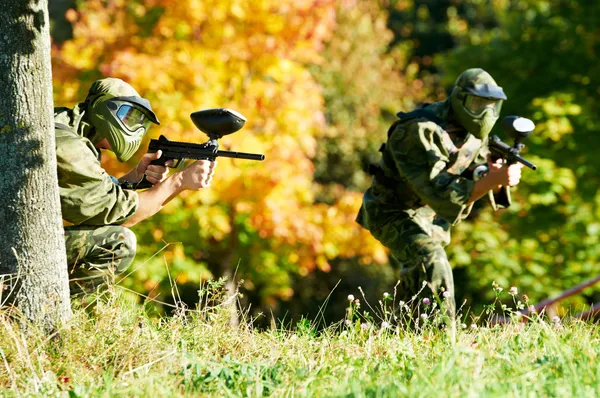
[(95, 205)]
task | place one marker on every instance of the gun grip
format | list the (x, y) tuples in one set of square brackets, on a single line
[(144, 183), (160, 161)]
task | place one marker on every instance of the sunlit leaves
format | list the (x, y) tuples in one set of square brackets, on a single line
[(544, 54)]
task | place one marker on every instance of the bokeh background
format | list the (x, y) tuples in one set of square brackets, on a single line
[(320, 82)]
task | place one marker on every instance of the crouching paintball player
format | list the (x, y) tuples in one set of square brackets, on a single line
[(425, 182), (97, 206)]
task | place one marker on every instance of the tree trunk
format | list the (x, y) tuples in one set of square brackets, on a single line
[(228, 271), (32, 248)]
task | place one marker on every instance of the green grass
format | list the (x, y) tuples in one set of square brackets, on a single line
[(113, 348)]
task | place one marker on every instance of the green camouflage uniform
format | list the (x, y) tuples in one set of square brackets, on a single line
[(98, 248), (421, 190)]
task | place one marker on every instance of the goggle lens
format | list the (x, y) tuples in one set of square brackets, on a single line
[(476, 105), (132, 118)]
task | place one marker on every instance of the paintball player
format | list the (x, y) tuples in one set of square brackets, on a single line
[(97, 206), (424, 182)]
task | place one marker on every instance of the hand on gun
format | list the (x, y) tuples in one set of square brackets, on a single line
[(155, 173), (198, 175), (504, 174)]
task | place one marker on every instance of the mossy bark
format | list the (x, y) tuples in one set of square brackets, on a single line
[(32, 252)]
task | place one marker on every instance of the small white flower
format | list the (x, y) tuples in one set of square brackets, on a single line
[(518, 315), (350, 297), (363, 326), (446, 294), (386, 295), (348, 322), (555, 319), (384, 325), (473, 326), (513, 290), (423, 316), (531, 308), (463, 325)]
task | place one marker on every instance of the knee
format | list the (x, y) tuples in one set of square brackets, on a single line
[(127, 248), (129, 241)]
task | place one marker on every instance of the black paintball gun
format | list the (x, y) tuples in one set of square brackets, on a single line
[(213, 122), (515, 127)]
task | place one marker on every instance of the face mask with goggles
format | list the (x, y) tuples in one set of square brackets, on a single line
[(123, 121), (477, 106)]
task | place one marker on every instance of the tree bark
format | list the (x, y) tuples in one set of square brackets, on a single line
[(32, 248), (228, 271)]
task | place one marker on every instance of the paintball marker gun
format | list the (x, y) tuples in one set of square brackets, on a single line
[(516, 127), (213, 122)]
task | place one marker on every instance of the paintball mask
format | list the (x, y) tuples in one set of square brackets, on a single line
[(476, 101), (119, 114)]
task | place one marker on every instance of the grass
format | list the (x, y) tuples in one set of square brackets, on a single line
[(112, 347)]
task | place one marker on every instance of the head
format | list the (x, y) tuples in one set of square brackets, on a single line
[(476, 101), (118, 113)]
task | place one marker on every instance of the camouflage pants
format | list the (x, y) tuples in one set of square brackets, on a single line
[(420, 250), (95, 255)]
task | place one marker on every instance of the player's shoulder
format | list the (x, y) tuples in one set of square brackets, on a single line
[(73, 148)]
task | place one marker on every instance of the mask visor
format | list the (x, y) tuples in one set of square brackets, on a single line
[(132, 118), (475, 105)]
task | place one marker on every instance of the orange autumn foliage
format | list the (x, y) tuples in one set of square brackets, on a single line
[(250, 56)]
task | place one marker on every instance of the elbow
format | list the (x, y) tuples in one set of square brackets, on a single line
[(131, 222), (452, 212), (134, 219)]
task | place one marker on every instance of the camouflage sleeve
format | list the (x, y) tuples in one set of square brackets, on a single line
[(421, 153), (87, 193)]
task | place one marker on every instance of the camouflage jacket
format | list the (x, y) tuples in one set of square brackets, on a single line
[(88, 194), (426, 174)]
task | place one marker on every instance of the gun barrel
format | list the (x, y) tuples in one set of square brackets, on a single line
[(526, 163), (241, 155)]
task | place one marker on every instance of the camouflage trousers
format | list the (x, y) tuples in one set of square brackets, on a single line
[(95, 255), (419, 248)]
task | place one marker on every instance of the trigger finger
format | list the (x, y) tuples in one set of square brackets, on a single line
[(155, 169), (151, 176)]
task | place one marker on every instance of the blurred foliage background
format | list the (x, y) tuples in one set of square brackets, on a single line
[(320, 82)]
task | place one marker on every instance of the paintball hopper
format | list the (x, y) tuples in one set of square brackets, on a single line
[(218, 122), (517, 128)]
